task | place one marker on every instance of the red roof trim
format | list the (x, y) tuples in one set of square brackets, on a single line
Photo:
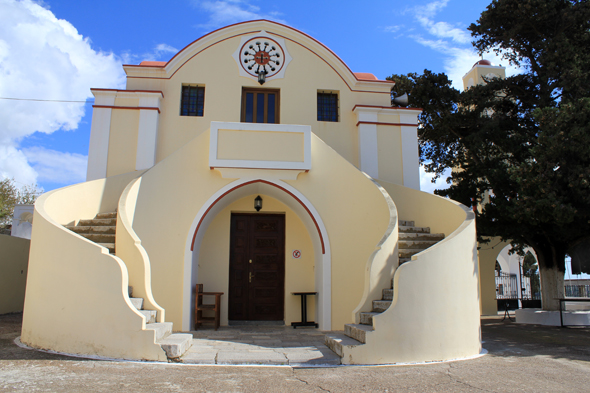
[(148, 63), (265, 182)]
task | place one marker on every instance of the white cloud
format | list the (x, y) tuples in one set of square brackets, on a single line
[(453, 41), (226, 12), (161, 52), (426, 183), (57, 167), (393, 29), (42, 57), (13, 164)]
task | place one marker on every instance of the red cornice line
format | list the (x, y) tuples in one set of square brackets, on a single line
[(130, 91), (265, 182), (387, 124), (127, 107), (386, 107)]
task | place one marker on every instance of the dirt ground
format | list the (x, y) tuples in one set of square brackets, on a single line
[(521, 358)]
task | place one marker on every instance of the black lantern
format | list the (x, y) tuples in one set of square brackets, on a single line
[(261, 75), (258, 203)]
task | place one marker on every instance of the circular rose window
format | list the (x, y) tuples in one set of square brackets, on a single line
[(262, 53)]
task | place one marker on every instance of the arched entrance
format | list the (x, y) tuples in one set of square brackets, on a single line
[(284, 194)]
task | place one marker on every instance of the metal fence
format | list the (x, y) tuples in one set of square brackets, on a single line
[(507, 287), (577, 291)]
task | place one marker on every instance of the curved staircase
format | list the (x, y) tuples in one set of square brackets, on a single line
[(102, 230), (412, 240)]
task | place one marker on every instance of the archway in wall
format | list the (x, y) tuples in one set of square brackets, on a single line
[(207, 252)]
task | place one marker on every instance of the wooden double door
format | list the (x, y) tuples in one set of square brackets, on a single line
[(257, 267)]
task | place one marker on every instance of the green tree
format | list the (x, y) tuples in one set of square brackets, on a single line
[(519, 147), (11, 195)]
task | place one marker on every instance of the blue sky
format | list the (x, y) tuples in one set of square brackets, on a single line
[(58, 50)]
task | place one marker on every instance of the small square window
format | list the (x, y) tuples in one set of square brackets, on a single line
[(327, 106), (192, 101)]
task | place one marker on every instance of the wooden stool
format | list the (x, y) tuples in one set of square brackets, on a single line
[(200, 307)]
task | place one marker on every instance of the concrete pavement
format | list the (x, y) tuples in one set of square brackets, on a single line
[(278, 345), (523, 358)]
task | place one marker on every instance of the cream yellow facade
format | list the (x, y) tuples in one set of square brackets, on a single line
[(342, 183)]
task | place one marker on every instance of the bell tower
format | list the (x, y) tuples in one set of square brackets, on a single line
[(481, 69)]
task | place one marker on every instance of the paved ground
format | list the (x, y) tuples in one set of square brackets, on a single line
[(521, 358), (278, 345)]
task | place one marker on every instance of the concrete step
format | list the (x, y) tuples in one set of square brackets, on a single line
[(175, 345), (335, 341), (409, 252), (150, 315), (163, 329), (367, 317), (93, 229), (381, 305), (98, 222), (406, 223), (110, 246), (99, 238), (137, 302), (421, 236), (413, 229), (419, 243), (107, 215), (388, 294), (357, 331)]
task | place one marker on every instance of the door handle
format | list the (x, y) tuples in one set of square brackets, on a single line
[(250, 275)]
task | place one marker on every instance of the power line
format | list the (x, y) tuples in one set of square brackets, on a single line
[(36, 99)]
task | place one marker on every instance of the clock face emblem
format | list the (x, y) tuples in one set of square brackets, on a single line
[(262, 53)]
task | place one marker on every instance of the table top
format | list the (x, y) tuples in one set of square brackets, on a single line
[(304, 293)]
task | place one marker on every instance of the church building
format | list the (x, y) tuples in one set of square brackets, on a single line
[(256, 163)]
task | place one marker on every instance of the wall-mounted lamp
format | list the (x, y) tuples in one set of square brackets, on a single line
[(258, 203), (261, 75)]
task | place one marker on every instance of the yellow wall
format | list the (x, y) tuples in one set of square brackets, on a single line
[(14, 260), (307, 73), (123, 141), (260, 146), (389, 150), (299, 273)]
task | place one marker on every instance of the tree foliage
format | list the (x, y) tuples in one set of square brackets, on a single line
[(519, 147), (11, 195)]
